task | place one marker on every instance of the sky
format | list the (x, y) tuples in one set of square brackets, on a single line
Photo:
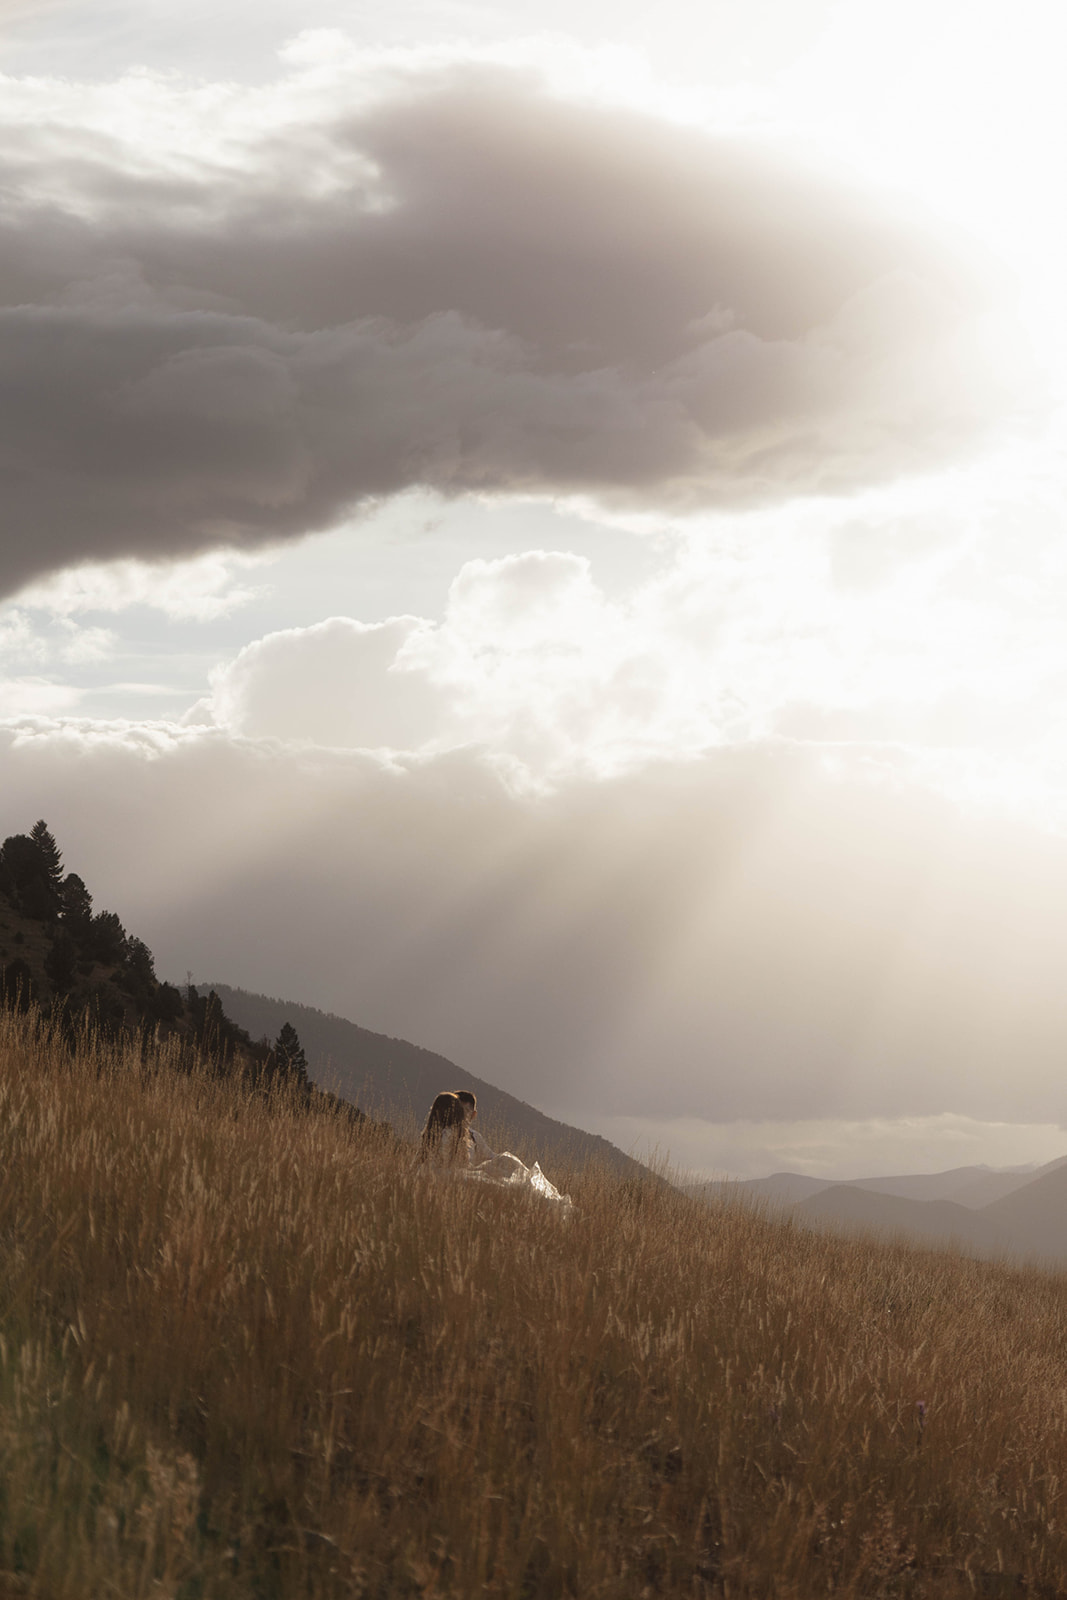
[(540, 529)]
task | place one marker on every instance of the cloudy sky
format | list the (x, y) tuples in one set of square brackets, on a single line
[(540, 528)]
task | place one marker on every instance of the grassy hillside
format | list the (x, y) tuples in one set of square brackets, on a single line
[(396, 1080), (249, 1350)]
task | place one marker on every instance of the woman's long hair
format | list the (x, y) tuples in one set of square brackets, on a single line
[(449, 1110)]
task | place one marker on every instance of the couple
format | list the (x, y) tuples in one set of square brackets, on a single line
[(451, 1137)]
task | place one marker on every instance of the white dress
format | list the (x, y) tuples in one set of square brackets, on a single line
[(505, 1171)]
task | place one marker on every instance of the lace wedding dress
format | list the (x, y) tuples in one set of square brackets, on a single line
[(505, 1171)]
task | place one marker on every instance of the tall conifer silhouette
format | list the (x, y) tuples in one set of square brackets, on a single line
[(288, 1054), (51, 859)]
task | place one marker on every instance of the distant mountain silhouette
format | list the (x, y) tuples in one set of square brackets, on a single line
[(1035, 1216), (992, 1186), (932, 1185), (941, 1222), (988, 1212), (396, 1081), (781, 1189), (973, 1187)]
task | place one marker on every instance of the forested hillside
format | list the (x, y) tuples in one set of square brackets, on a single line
[(81, 971)]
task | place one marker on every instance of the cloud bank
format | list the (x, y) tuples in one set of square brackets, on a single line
[(452, 279)]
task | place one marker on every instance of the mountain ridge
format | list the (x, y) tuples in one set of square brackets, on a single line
[(393, 1079), (994, 1213)]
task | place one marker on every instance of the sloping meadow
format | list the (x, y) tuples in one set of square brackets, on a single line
[(248, 1350)]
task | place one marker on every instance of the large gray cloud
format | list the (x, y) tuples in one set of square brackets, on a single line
[(740, 936), (467, 284)]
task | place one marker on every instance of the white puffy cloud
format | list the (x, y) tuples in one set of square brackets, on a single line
[(63, 642), (19, 638), (340, 682), (530, 662), (80, 646), (914, 623), (537, 665)]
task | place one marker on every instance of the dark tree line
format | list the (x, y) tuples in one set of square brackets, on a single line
[(98, 974), (221, 1039), (80, 942)]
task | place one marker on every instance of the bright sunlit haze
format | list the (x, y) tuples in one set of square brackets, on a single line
[(540, 529)]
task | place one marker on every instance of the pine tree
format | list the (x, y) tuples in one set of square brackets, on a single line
[(288, 1057), (165, 1004), (75, 906), (107, 939), (25, 876), (51, 859), (219, 1040), (138, 974)]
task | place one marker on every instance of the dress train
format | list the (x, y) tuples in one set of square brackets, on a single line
[(505, 1171)]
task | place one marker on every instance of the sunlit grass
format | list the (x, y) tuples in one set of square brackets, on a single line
[(250, 1351)]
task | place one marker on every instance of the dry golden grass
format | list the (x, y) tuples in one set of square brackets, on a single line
[(249, 1351)]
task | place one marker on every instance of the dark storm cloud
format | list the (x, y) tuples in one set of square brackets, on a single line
[(470, 285)]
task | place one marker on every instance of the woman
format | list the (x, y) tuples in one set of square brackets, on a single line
[(448, 1134)]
